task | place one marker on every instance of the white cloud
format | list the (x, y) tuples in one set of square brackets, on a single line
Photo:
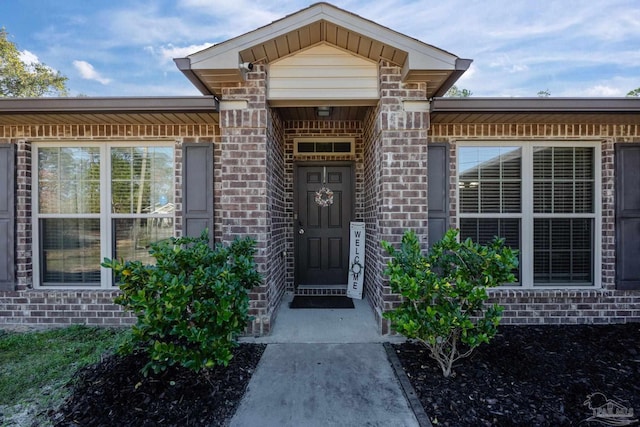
[(87, 72), (168, 52), (143, 27), (29, 58), (604, 90), (617, 24), (518, 68), (239, 16), (508, 65)]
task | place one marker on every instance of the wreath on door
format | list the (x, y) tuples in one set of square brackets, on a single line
[(324, 197)]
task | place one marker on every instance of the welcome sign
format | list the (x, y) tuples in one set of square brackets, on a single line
[(356, 260)]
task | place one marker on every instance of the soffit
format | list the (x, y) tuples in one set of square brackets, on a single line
[(536, 110), (108, 110), (217, 66), (342, 113), (323, 31), (578, 118), (108, 119)]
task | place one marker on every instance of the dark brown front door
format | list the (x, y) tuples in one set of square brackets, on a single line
[(322, 232)]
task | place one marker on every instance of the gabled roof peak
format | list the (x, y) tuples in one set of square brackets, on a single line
[(321, 23)]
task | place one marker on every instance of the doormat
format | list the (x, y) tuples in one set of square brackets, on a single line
[(305, 301)]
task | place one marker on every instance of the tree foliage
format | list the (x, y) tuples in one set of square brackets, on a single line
[(26, 80), (444, 293), (544, 93), (634, 92), (455, 92)]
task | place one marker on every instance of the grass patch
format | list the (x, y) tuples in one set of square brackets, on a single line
[(35, 366)]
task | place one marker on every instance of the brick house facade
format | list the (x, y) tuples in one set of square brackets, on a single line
[(609, 302), (239, 153)]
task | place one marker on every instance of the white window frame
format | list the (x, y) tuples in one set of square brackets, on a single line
[(105, 215), (527, 215)]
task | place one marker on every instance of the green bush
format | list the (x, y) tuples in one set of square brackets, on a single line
[(445, 292), (191, 305)]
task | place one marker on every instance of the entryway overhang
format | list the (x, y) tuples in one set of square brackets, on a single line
[(321, 24)]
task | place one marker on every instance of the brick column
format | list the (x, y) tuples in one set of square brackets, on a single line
[(402, 122), (243, 180)]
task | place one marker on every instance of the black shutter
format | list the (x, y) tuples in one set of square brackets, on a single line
[(197, 189), (628, 216), (7, 218), (438, 194)]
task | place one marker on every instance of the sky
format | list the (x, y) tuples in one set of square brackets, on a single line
[(519, 47)]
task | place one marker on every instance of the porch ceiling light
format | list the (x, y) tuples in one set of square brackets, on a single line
[(323, 111)]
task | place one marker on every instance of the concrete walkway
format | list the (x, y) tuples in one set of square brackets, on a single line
[(324, 385), (324, 325), (324, 368)]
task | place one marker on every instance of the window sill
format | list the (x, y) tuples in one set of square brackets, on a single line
[(78, 288), (547, 291)]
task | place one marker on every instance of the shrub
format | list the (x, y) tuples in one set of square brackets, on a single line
[(445, 292), (191, 305)]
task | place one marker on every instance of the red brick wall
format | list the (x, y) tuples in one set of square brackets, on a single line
[(61, 308), (252, 179), (320, 129), (373, 280), (277, 209), (396, 149), (244, 203), (54, 307), (24, 254), (604, 305)]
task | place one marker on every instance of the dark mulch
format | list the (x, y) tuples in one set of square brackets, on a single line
[(531, 376), (114, 393)]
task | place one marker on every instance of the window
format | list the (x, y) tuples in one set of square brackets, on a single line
[(543, 200), (563, 207), (323, 146), (141, 199), (96, 201), (490, 194)]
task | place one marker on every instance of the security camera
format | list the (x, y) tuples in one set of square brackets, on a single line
[(246, 66)]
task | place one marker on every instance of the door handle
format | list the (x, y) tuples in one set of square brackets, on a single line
[(301, 231)]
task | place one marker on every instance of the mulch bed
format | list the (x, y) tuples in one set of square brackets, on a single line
[(527, 376), (114, 393), (531, 376)]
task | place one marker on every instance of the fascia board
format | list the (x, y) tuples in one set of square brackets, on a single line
[(108, 105), (225, 54), (533, 105)]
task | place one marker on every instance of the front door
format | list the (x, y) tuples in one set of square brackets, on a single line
[(324, 206)]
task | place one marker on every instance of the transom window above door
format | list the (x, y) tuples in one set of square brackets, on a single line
[(324, 146), (98, 200), (543, 199)]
